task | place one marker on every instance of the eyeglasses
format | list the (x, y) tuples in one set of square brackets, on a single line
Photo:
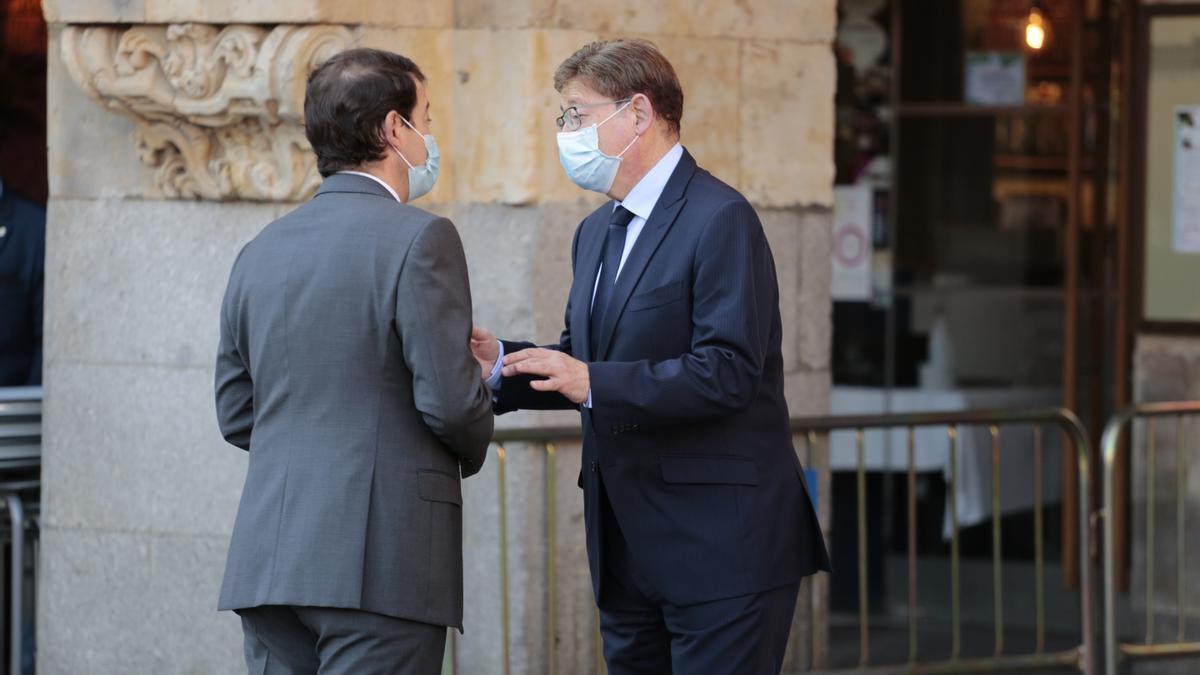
[(570, 121)]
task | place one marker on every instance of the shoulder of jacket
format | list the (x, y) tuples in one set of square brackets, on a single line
[(713, 192)]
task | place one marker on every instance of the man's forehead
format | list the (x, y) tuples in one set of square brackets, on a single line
[(575, 92), (422, 95)]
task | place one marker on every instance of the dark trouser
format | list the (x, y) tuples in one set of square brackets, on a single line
[(646, 635), (283, 640)]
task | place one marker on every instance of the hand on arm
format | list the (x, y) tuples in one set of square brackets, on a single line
[(564, 374), (521, 387), (489, 352)]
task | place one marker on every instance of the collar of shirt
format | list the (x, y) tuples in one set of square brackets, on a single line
[(377, 180), (641, 199)]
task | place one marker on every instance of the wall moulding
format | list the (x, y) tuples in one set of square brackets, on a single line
[(218, 110)]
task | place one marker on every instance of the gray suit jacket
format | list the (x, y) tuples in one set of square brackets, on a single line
[(344, 369)]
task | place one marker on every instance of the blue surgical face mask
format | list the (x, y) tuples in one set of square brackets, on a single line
[(586, 166), (421, 178)]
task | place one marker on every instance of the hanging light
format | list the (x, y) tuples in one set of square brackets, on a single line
[(1036, 29), (22, 28)]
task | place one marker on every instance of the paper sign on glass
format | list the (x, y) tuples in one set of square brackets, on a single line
[(1185, 214), (852, 242)]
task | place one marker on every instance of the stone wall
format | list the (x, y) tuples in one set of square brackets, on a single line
[(159, 175)]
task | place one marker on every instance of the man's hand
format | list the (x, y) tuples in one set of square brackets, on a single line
[(567, 376), (485, 349)]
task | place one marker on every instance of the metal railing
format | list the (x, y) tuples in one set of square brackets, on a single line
[(548, 438), (1078, 657), (20, 481), (810, 430), (1115, 650)]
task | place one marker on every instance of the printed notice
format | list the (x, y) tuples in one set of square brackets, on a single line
[(1186, 209)]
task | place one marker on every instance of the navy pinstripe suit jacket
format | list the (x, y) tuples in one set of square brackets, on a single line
[(688, 428)]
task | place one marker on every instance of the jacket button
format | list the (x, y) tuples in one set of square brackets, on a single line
[(594, 466)]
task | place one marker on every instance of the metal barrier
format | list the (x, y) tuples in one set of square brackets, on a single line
[(1079, 657), (548, 437), (811, 429), (20, 477), (1116, 651)]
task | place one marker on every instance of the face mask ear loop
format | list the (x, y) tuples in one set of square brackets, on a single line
[(635, 139), (414, 129), (615, 113), (402, 157), (405, 159)]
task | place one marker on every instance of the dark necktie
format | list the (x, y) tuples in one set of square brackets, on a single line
[(614, 246)]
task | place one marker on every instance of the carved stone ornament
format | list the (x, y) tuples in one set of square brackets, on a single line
[(219, 110)]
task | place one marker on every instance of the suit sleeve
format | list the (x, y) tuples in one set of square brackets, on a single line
[(735, 296), (514, 392), (433, 319), (234, 386)]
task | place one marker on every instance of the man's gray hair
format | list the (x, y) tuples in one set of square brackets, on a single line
[(621, 68)]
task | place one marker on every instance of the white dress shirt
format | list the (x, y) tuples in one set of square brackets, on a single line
[(640, 202), (377, 179)]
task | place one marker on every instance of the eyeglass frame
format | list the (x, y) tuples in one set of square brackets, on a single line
[(561, 120)]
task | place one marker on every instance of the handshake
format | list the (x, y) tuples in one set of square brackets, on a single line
[(545, 370)]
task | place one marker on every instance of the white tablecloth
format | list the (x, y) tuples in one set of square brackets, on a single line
[(888, 450)]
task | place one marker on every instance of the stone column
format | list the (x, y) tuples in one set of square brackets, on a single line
[(175, 136)]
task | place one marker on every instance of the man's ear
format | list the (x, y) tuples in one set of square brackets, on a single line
[(643, 109), (391, 128)]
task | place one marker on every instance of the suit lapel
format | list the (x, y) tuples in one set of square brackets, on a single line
[(653, 233), (585, 285)]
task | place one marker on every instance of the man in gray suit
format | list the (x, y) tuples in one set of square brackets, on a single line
[(344, 370)]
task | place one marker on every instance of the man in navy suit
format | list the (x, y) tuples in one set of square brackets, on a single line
[(22, 253), (699, 524)]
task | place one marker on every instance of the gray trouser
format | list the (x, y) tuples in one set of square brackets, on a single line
[(283, 640)]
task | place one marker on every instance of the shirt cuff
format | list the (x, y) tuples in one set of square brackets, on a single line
[(493, 380), (588, 404)]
